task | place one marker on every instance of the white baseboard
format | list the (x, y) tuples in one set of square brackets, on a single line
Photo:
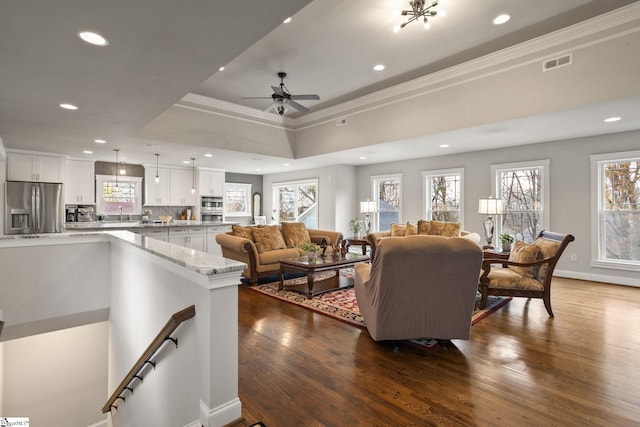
[(626, 281), (220, 416)]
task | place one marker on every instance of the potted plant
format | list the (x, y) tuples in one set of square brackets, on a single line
[(355, 225), (507, 240), (311, 250)]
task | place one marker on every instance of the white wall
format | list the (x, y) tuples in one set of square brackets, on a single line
[(570, 190), (58, 378)]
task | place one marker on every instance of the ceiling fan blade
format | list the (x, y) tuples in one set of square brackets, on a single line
[(277, 90), (308, 97), (256, 97), (298, 107)]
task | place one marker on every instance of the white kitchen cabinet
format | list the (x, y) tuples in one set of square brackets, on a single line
[(189, 237), (159, 233), (211, 182), (156, 194), (30, 167), (212, 231), (79, 181), (181, 182)]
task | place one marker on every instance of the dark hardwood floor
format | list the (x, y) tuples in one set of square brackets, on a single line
[(520, 367)]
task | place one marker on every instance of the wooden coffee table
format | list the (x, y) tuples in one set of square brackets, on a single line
[(328, 263)]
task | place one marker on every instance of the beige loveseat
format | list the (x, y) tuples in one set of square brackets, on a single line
[(419, 287), (429, 228), (262, 247)]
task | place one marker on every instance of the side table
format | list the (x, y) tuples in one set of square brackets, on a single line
[(354, 241)]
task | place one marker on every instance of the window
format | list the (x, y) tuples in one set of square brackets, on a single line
[(237, 199), (387, 192), (111, 197), (443, 195), (617, 210), (296, 202), (523, 188)]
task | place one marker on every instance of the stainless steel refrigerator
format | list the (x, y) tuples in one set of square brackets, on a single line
[(33, 207)]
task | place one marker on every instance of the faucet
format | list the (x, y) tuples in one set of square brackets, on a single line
[(120, 212)]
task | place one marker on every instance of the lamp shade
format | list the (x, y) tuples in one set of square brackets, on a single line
[(490, 206), (368, 207)]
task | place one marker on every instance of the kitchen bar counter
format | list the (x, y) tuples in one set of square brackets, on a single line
[(109, 225)]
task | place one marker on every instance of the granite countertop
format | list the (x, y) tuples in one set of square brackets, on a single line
[(200, 262), (109, 225)]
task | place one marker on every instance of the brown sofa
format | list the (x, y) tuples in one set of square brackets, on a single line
[(431, 228), (263, 261), (419, 287)]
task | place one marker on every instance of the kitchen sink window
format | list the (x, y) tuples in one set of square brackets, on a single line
[(126, 194)]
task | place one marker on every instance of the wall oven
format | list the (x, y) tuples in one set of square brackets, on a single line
[(211, 208)]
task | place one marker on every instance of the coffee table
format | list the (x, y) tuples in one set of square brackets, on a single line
[(328, 263)]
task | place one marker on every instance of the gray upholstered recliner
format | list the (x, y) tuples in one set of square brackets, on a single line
[(419, 287)]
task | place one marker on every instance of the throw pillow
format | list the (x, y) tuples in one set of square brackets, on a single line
[(524, 252), (295, 233), (244, 232), (424, 227), (411, 229), (446, 229), (548, 249), (398, 230), (270, 237)]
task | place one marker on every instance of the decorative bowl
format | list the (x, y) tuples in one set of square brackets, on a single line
[(166, 219)]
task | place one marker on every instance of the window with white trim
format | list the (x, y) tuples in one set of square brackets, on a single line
[(616, 214), (387, 192), (296, 201), (125, 193), (524, 190), (444, 195), (237, 199)]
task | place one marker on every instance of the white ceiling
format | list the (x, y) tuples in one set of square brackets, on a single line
[(161, 51)]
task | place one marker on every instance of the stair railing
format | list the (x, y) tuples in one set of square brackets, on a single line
[(135, 372)]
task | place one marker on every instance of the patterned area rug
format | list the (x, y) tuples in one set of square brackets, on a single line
[(342, 305)]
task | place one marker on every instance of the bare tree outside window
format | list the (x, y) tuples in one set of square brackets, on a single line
[(388, 197), (297, 202), (621, 210), (522, 197), (444, 198)]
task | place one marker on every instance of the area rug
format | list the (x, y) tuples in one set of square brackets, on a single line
[(342, 305)]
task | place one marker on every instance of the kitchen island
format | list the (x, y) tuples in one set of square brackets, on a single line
[(135, 283)]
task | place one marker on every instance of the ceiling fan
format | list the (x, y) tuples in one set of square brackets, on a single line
[(282, 97)]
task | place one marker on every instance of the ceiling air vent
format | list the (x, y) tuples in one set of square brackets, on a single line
[(559, 61), (341, 122)]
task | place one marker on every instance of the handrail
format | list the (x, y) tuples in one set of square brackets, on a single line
[(164, 335)]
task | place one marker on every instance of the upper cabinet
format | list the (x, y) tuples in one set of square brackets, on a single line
[(156, 194), (211, 182), (79, 181), (172, 189), (30, 167)]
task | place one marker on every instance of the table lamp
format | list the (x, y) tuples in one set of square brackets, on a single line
[(489, 207), (368, 207)]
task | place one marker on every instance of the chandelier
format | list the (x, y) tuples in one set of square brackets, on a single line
[(418, 10)]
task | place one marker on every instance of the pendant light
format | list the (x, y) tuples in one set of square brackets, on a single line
[(116, 166), (157, 176), (193, 165)]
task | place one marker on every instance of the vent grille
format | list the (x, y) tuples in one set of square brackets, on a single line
[(557, 62), (341, 122)]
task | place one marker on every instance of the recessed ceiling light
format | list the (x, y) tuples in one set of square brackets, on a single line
[(88, 152), (444, 145), (186, 162), (258, 169), (93, 38), (379, 67), (208, 155), (612, 119), (286, 21), (286, 164), (68, 106), (221, 69), (99, 141), (501, 19), (363, 158)]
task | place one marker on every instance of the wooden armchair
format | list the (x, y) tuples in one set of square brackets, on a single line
[(527, 272)]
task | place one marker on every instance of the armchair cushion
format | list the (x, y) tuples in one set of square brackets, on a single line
[(295, 233), (524, 253), (268, 238), (506, 278)]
